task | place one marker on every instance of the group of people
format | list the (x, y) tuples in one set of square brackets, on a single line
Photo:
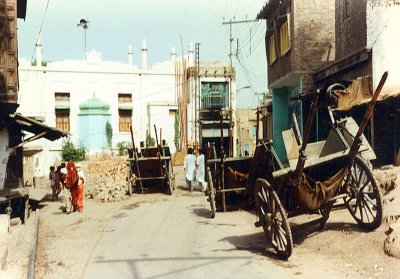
[(194, 169), (68, 180)]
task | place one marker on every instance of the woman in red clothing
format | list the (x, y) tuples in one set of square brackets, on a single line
[(79, 192)]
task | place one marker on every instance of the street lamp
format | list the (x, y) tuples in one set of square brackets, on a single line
[(240, 89), (85, 25)]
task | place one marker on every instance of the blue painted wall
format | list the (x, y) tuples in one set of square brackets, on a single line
[(92, 131), (280, 119)]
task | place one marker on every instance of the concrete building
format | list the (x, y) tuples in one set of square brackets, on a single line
[(211, 92), (82, 96), (247, 131)]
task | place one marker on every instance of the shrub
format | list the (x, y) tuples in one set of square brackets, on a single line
[(123, 148), (109, 134), (70, 152), (150, 141)]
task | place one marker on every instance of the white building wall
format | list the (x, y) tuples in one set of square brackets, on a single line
[(383, 36), (105, 79)]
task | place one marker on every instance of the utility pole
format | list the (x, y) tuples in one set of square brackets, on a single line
[(230, 135), (196, 92)]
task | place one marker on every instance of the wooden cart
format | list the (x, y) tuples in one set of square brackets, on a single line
[(150, 170), (319, 175)]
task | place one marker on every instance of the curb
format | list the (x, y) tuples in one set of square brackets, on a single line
[(31, 267)]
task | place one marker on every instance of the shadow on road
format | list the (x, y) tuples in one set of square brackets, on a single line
[(198, 262), (301, 232), (202, 212), (255, 243)]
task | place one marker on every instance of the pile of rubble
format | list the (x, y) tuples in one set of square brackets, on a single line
[(388, 178), (106, 180)]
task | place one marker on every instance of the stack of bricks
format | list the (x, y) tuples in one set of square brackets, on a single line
[(8, 51)]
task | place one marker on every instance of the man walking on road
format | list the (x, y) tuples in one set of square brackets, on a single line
[(189, 167), (200, 170)]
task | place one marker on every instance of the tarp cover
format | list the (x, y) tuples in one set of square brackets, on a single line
[(313, 197), (359, 91)]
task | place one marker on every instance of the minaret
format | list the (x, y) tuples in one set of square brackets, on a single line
[(144, 55), (38, 46), (130, 55), (191, 51), (173, 54)]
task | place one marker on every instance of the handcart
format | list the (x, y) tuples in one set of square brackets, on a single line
[(150, 170), (319, 175), (226, 177)]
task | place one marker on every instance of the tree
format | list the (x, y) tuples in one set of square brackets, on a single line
[(109, 134)]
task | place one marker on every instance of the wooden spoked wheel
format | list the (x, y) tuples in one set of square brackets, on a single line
[(211, 193), (364, 200), (272, 218)]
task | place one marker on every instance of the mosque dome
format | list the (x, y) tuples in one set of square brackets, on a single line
[(94, 106)]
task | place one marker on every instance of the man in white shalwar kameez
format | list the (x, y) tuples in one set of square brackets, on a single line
[(189, 167), (200, 170)]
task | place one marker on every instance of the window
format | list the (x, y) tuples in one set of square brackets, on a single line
[(284, 38), (272, 50), (125, 120), (124, 98), (214, 95), (125, 111), (62, 119), (62, 110)]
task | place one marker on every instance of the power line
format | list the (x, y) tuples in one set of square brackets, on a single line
[(40, 29), (37, 39)]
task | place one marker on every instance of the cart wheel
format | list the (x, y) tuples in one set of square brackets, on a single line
[(130, 182), (363, 200), (211, 193), (170, 180), (273, 218)]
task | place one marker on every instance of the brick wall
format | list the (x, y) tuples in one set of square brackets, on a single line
[(314, 33), (351, 27), (312, 30)]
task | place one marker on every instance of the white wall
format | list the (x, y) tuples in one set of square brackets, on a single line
[(383, 36), (106, 79)]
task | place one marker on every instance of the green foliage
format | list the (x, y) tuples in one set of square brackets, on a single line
[(150, 141), (70, 152), (123, 147), (176, 128), (109, 134)]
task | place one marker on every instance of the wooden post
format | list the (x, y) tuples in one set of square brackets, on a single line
[(135, 155)]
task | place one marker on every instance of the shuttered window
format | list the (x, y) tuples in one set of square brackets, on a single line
[(125, 120), (125, 111), (62, 119), (284, 38), (272, 50)]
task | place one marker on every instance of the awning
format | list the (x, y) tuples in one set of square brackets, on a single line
[(36, 128)]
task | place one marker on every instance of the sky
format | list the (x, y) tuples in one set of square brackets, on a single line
[(113, 25)]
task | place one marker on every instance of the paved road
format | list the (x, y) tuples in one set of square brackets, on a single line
[(160, 236)]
